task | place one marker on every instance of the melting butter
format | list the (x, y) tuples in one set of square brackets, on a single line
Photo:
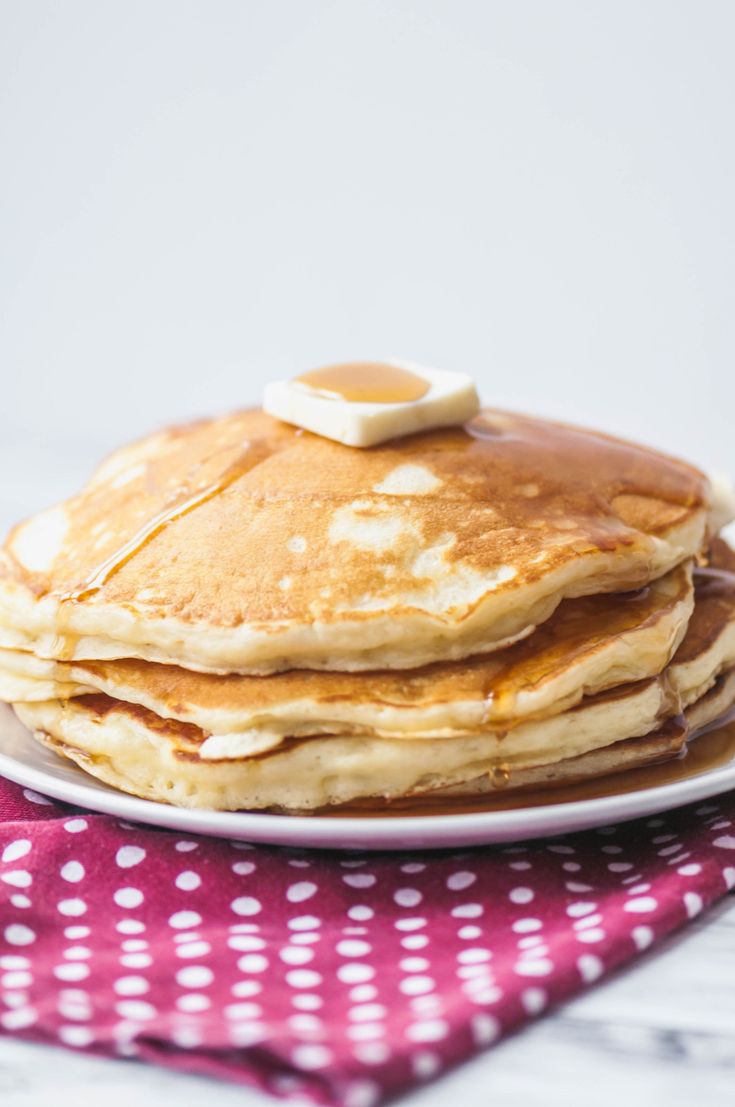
[(364, 403)]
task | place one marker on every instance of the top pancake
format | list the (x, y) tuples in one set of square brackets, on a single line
[(241, 544)]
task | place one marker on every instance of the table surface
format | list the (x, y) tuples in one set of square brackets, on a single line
[(661, 1031)]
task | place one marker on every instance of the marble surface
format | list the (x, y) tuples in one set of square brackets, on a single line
[(661, 1031)]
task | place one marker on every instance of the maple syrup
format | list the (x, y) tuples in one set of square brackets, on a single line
[(182, 504), (366, 382), (499, 776), (569, 634), (65, 643)]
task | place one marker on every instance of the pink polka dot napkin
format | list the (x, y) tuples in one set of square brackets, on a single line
[(332, 979)]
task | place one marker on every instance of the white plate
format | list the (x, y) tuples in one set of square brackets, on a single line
[(26, 762)]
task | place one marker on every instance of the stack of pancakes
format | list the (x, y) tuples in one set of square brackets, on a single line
[(237, 614)]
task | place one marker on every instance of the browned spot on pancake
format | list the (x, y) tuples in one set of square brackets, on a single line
[(101, 705)]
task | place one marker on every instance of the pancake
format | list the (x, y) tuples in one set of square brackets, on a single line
[(243, 545), (136, 750), (588, 645)]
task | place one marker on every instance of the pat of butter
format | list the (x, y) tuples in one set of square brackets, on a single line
[(321, 401)]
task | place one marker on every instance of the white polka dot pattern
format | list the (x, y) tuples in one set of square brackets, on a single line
[(355, 976)]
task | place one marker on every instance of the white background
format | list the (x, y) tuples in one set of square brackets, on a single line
[(195, 197)]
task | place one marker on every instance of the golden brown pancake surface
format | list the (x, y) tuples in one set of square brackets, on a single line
[(240, 544)]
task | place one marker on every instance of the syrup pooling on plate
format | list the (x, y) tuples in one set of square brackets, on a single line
[(365, 382)]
